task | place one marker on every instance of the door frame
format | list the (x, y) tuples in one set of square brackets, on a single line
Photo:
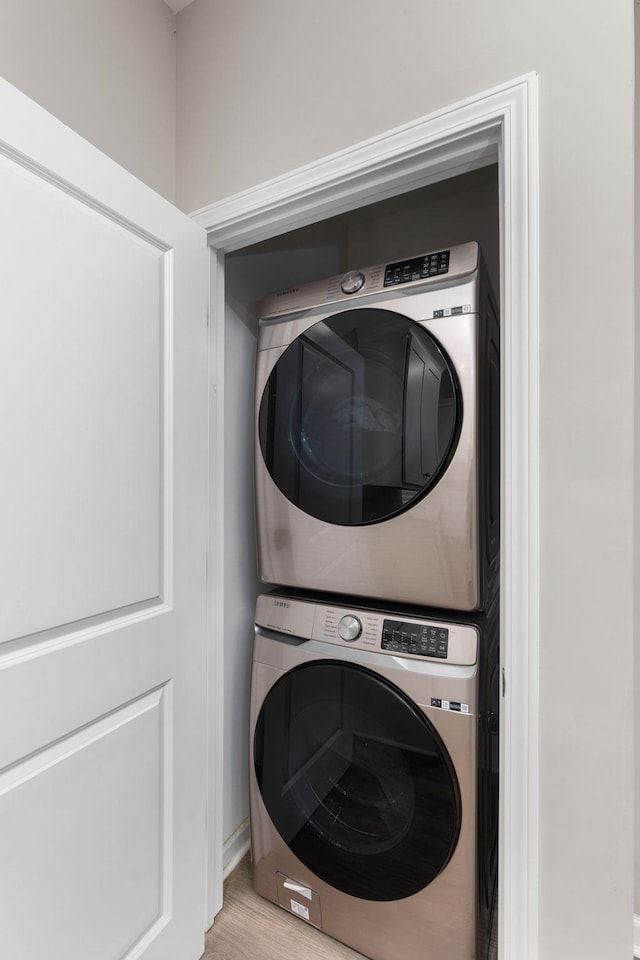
[(499, 125)]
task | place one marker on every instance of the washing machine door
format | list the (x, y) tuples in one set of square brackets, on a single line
[(359, 417), (356, 780)]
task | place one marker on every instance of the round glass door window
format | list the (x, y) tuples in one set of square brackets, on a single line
[(356, 780), (360, 417)]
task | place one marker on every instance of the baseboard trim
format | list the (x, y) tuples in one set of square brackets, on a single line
[(636, 935), (235, 847)]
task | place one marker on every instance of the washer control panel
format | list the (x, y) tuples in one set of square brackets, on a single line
[(384, 633), (421, 639)]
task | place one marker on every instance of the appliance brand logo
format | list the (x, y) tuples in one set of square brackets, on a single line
[(281, 603), (284, 293)]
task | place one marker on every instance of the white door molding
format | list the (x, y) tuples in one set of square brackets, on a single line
[(498, 125)]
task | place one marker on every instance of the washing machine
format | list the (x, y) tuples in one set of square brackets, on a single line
[(373, 775), (377, 440)]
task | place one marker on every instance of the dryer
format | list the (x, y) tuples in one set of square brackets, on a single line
[(373, 776), (377, 440)]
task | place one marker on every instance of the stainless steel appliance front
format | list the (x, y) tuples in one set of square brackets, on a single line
[(375, 413), (364, 777)]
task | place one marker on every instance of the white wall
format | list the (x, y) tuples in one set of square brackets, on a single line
[(266, 87), (106, 68)]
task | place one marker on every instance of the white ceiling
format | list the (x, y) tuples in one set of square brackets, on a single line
[(177, 5)]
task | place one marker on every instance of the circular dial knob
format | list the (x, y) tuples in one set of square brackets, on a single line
[(349, 628), (352, 281)]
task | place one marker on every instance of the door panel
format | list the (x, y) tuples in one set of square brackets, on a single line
[(103, 441), (356, 780), (360, 417), (105, 787), (91, 331)]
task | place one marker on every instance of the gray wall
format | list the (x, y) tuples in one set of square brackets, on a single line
[(266, 87), (106, 68)]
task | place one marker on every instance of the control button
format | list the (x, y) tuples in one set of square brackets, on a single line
[(352, 281), (349, 628)]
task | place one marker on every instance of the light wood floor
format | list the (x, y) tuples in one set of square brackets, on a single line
[(250, 928)]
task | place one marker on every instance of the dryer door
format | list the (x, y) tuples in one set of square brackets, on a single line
[(360, 417), (356, 780)]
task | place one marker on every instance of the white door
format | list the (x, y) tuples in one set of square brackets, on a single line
[(103, 518)]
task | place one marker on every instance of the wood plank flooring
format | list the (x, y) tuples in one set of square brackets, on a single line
[(251, 928)]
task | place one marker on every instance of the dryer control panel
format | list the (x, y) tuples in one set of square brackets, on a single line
[(450, 642), (452, 266), (417, 268)]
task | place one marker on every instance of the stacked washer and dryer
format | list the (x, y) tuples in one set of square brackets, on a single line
[(375, 684)]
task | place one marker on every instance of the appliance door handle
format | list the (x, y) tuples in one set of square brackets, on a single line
[(297, 888)]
